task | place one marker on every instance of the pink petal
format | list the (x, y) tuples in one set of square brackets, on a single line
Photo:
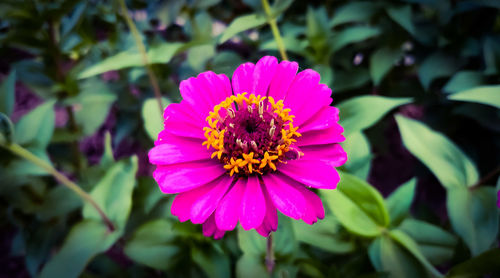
[(263, 73), (243, 78), (312, 173), (306, 96), (181, 121), (270, 223), (315, 208), (182, 177), (324, 119), (227, 213), (253, 208), (210, 229), (286, 198), (285, 73), (208, 200), (178, 150), (333, 154), (333, 134)]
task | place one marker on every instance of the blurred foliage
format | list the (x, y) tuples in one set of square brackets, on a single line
[(75, 93)]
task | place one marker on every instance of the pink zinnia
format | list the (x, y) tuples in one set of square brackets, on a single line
[(238, 153)]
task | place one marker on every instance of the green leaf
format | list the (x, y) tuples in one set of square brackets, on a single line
[(362, 112), (411, 246), (399, 202), (353, 35), (241, 24), (113, 193), (318, 32), (92, 105), (348, 80), (359, 155), (464, 80), (23, 167), (403, 16), (157, 54), (249, 266), (199, 55), (214, 263), (8, 94), (392, 258), (436, 66), (251, 243), (474, 216), (323, 235), (36, 127), (436, 244), (152, 117), (6, 129), (448, 163), (153, 245), (381, 62), (354, 12), (489, 95), (358, 206), (482, 264), (59, 202), (85, 240)]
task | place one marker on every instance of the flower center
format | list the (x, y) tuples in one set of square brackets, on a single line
[(251, 134)]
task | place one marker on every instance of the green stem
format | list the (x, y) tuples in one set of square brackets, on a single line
[(24, 153), (142, 49), (274, 28), (270, 254)]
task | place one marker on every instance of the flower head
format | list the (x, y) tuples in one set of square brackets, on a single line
[(241, 150)]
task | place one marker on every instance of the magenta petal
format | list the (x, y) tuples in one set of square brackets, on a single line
[(243, 78), (315, 208), (207, 201), (182, 177), (210, 229), (253, 205), (178, 151), (324, 119), (227, 213), (285, 73), (270, 223), (286, 198), (263, 73), (331, 135), (306, 96), (312, 173), (333, 154)]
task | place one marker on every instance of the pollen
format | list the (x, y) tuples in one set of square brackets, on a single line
[(250, 134)]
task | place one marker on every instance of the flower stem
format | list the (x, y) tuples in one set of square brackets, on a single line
[(24, 153), (270, 254), (142, 49), (274, 28)]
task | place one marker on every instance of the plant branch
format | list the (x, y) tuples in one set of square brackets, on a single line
[(274, 28), (270, 254), (24, 153), (487, 177), (142, 49)]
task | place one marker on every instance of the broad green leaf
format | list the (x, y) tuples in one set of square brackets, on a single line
[(323, 235), (353, 35), (399, 202), (36, 127), (153, 245), (464, 80), (85, 240), (362, 112), (157, 54), (395, 260), (113, 193), (318, 33), (436, 66), (8, 94), (354, 12), (448, 163), (374, 253), (489, 95), (403, 16), (359, 155), (279, 6), (199, 55), (250, 266), (348, 80), (491, 50), (365, 196), (241, 24), (214, 263), (152, 117), (23, 167), (474, 216), (58, 203), (436, 244), (251, 243), (226, 62), (92, 105), (381, 62), (482, 264), (6, 129), (411, 246)]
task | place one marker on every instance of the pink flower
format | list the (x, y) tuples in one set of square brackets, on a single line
[(241, 150)]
